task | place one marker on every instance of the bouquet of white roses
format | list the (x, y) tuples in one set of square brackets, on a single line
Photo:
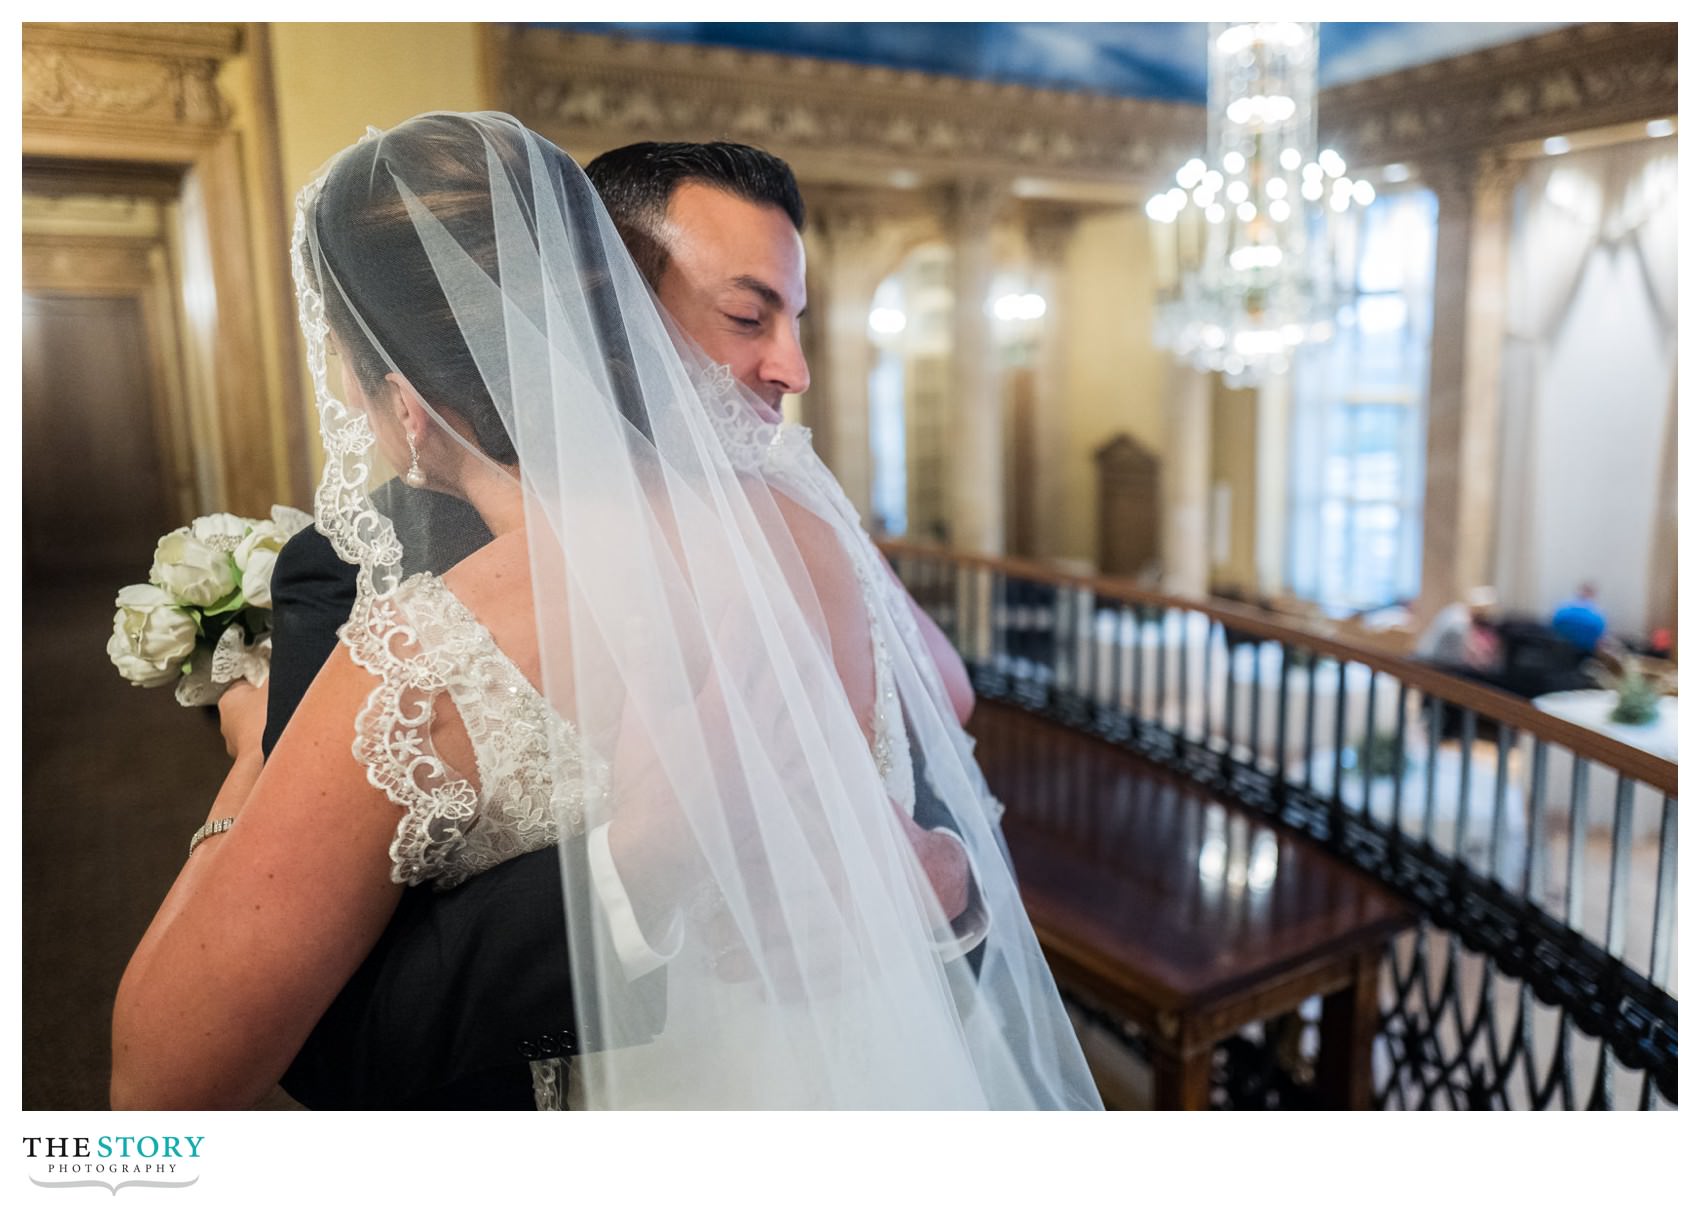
[(203, 619)]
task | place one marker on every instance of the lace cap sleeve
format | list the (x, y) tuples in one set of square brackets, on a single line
[(406, 639)]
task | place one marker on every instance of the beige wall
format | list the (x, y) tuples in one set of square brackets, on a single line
[(1233, 461), (332, 81), (1114, 375)]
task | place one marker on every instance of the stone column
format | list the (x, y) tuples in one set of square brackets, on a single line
[(849, 251), (1186, 481), (977, 422), (1274, 458), (1048, 234), (1472, 247)]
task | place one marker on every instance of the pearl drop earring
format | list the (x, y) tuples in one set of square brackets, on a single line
[(414, 477)]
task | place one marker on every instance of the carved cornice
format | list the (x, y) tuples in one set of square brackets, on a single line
[(143, 75), (837, 122), (1580, 77), (851, 124)]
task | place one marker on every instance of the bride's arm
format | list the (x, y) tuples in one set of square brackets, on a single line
[(264, 923)]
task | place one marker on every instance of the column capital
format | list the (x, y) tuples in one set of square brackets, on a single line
[(1463, 178), (1048, 230), (971, 204)]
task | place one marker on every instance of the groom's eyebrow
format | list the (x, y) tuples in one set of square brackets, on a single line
[(764, 292)]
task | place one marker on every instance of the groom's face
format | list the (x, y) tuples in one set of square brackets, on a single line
[(734, 283)]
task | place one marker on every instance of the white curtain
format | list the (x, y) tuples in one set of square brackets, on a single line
[(1589, 364)]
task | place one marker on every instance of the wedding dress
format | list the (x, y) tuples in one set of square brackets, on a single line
[(695, 571)]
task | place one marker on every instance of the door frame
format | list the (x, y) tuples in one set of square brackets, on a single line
[(106, 98)]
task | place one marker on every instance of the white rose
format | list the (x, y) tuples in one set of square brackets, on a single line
[(151, 636), (221, 531), (257, 578), (255, 557), (191, 570)]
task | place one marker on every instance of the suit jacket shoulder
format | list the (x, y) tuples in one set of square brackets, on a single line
[(312, 593)]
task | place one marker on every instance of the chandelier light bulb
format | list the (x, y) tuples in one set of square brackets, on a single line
[(1234, 162), (1340, 202), (1280, 211), (1214, 180), (1259, 342), (1191, 173), (1262, 110), (1277, 187), (1237, 38), (887, 321), (1331, 162), (1203, 196), (1312, 190), (1363, 193), (1238, 191), (1255, 256), (1177, 199), (1247, 212), (1214, 212), (1290, 159)]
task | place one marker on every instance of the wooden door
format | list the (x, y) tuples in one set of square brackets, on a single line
[(95, 495)]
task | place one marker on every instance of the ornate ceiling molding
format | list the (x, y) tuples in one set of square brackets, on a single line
[(141, 75), (840, 122), (1577, 78), (843, 123)]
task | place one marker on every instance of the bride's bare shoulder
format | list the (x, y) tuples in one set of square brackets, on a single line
[(493, 570), (494, 583)]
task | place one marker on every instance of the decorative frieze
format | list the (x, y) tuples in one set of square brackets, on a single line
[(1576, 78), (136, 74), (834, 119)]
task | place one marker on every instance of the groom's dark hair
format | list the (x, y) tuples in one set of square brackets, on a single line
[(637, 181)]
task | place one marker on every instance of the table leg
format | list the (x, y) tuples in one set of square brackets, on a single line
[(1182, 1080), (1345, 1077)]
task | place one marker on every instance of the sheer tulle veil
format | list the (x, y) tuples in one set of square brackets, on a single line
[(693, 568)]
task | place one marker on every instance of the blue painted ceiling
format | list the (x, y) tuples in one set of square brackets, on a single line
[(1156, 60)]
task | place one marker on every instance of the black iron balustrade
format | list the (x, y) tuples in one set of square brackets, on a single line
[(1541, 855)]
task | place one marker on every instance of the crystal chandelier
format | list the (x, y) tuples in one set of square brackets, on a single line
[(1244, 242)]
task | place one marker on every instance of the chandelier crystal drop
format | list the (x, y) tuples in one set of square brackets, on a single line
[(1244, 240)]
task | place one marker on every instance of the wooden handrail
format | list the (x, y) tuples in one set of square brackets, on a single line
[(1658, 773)]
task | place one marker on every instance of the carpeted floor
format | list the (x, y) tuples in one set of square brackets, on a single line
[(115, 780)]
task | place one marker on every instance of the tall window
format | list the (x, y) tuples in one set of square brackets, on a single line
[(1359, 417)]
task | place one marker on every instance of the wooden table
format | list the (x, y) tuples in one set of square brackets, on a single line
[(1191, 918)]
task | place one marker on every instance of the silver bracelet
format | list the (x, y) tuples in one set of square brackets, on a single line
[(208, 830)]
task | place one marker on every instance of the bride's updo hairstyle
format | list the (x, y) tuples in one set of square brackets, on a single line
[(381, 271)]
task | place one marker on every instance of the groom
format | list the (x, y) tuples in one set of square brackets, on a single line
[(453, 1002)]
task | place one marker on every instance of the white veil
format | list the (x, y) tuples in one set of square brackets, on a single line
[(706, 603)]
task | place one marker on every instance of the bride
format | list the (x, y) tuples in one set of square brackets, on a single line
[(678, 659)]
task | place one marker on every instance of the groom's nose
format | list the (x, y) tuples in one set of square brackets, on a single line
[(783, 365)]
